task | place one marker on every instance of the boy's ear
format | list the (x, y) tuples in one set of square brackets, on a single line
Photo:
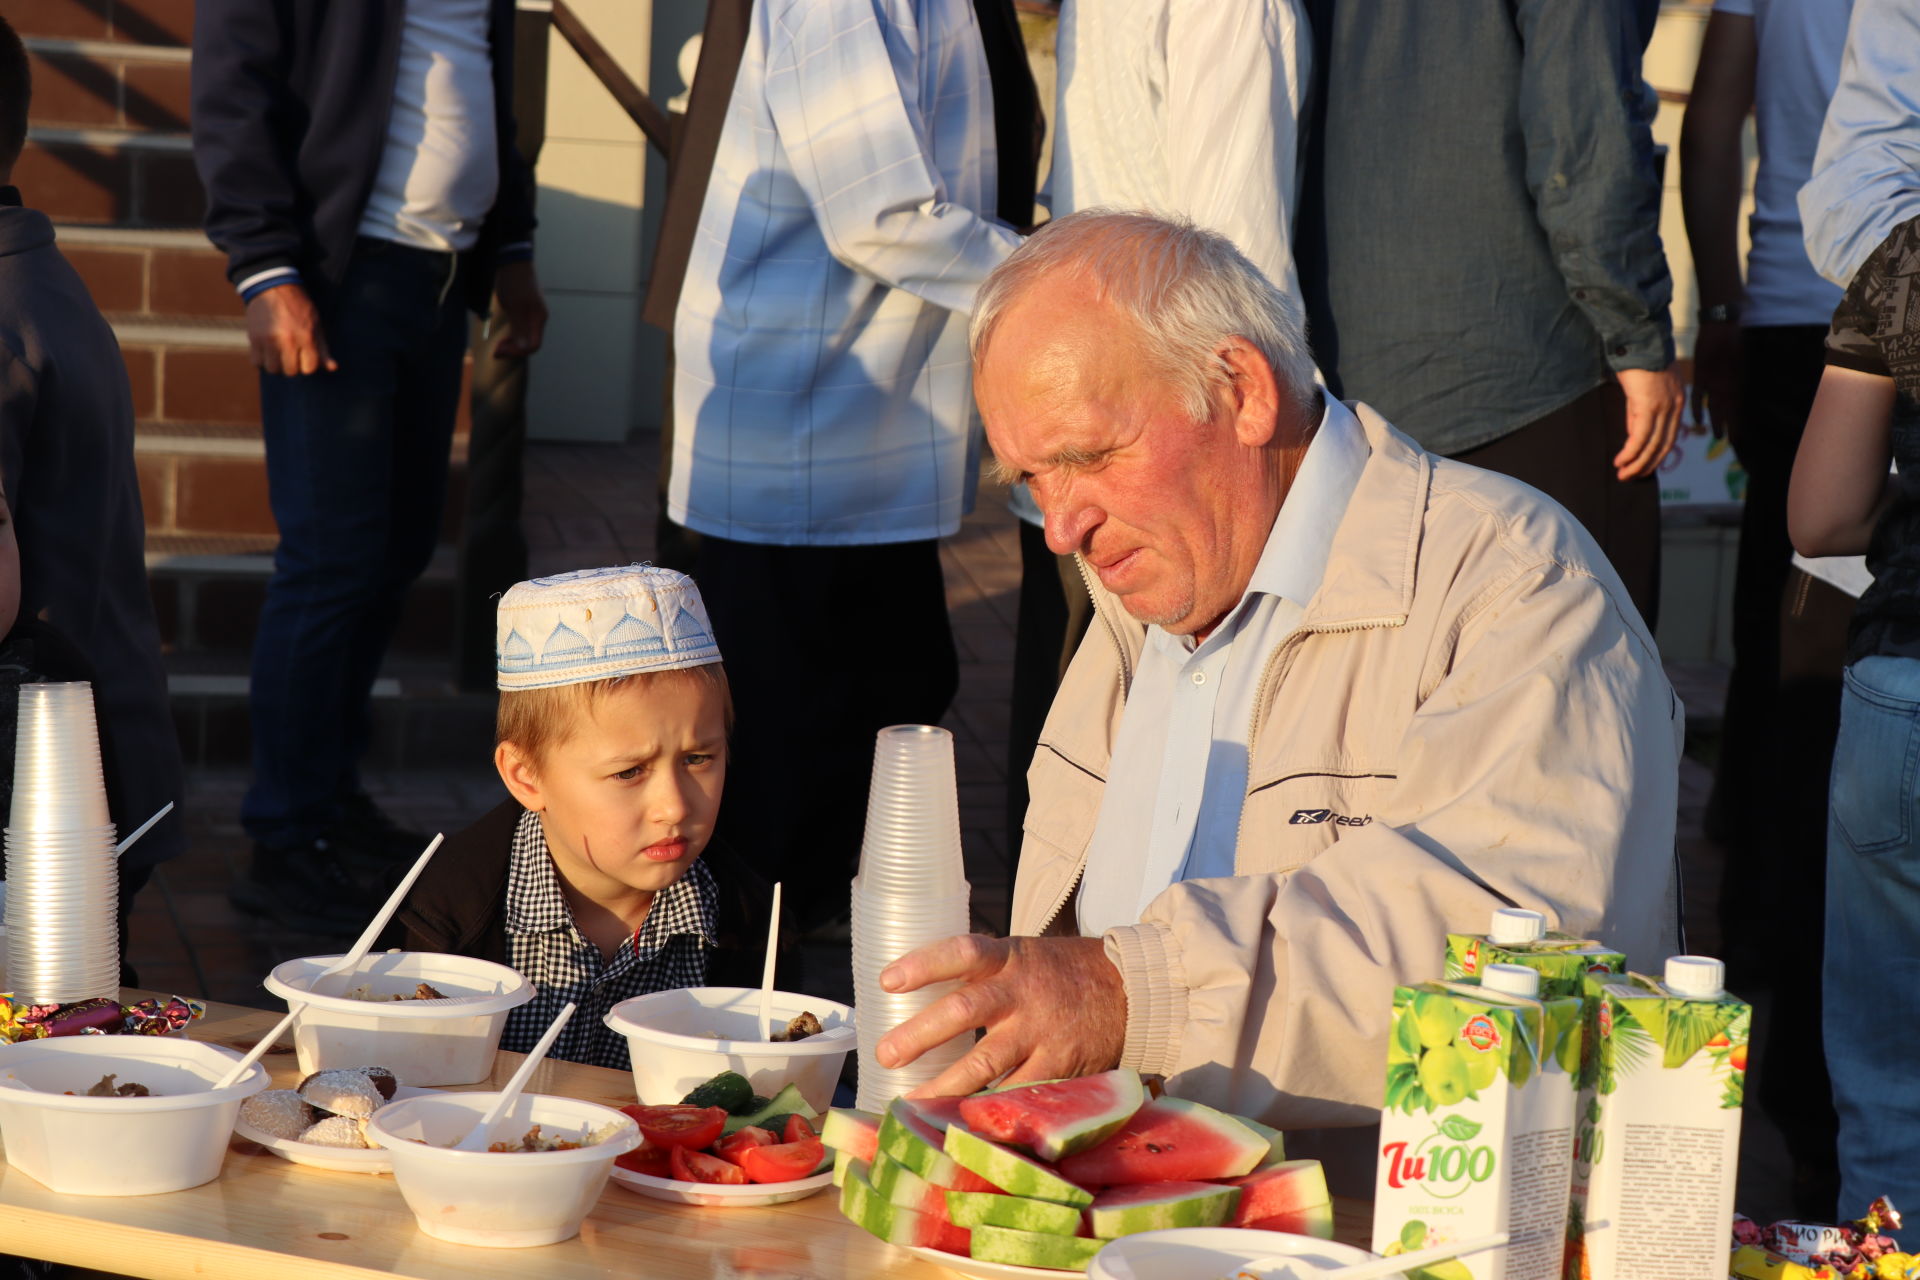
[(517, 772)]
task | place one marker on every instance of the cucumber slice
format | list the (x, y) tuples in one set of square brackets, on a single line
[(729, 1091), (786, 1102)]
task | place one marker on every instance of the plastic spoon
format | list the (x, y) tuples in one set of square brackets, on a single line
[(345, 964), (1378, 1268), (766, 969), (476, 1139)]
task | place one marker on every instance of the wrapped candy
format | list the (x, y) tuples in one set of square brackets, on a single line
[(161, 1017), (1854, 1250), (20, 1020)]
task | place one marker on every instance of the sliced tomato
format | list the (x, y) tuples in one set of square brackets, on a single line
[(697, 1166), (679, 1126), (648, 1159), (782, 1162), (730, 1147), (798, 1130)]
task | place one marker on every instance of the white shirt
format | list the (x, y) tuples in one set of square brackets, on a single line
[(1798, 47), (440, 169), (1866, 174), (1171, 808), (822, 394)]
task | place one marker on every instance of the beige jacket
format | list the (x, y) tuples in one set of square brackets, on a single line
[(1471, 715)]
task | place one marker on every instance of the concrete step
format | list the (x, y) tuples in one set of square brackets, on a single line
[(108, 84), (155, 22), (111, 176), (151, 275)]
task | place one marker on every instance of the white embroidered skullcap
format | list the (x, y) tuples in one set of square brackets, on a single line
[(594, 624)]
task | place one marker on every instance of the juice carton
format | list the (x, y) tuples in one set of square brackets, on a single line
[(1476, 1134), (1520, 937), (1658, 1143)]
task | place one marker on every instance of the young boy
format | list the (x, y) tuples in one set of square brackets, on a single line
[(612, 738)]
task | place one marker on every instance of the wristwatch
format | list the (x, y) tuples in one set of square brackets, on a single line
[(1719, 313)]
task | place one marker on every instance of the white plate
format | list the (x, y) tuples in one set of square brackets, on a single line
[(721, 1195), (1156, 1255), (987, 1270), (343, 1159)]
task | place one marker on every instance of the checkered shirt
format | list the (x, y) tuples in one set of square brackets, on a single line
[(543, 943)]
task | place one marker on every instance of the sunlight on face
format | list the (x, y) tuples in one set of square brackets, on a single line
[(629, 799)]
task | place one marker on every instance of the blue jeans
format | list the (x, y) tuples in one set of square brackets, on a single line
[(357, 474), (1871, 985)]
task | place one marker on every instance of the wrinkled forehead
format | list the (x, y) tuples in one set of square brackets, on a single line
[(1058, 361)]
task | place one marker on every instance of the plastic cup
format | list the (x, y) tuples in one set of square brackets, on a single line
[(672, 1040), (57, 784), (504, 1199), (120, 1146)]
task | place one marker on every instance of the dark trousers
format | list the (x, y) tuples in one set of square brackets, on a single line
[(824, 647), (1568, 455), (1055, 609), (357, 475), (493, 548)]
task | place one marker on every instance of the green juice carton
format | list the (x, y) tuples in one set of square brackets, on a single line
[(1658, 1142), (1520, 937), (1476, 1133)]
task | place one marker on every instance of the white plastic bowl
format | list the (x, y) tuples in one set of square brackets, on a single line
[(423, 1042), (683, 1038), (119, 1146), (504, 1200), (1186, 1252)]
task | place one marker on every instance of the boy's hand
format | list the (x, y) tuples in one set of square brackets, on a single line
[(283, 332)]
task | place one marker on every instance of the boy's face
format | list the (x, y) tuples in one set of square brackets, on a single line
[(629, 798)]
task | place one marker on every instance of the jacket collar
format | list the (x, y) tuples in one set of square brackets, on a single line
[(23, 230)]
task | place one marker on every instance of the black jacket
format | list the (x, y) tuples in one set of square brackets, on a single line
[(459, 906), (290, 106)]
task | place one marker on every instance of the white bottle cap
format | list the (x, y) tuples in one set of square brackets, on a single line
[(1512, 980), (1696, 977), (1511, 926)]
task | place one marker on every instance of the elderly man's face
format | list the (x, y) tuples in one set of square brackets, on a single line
[(1170, 512)]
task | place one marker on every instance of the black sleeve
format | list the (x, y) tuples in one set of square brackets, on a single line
[(511, 220), (246, 133)]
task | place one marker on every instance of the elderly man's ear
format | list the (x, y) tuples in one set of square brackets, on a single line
[(1255, 392)]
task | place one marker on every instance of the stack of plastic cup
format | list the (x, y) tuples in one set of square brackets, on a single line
[(63, 879), (911, 890)]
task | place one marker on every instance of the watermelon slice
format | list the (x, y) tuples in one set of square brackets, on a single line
[(1289, 1187), (1169, 1140), (972, 1209), (855, 1132), (1059, 1117), (1158, 1206), (902, 1186), (1034, 1248), (897, 1224), (1317, 1222), (917, 1142), (1011, 1171), (1276, 1142), (841, 1162)]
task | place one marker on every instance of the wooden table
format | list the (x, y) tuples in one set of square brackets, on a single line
[(265, 1218)]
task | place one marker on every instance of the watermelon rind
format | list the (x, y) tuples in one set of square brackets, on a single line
[(1013, 1172), (983, 1209), (1056, 1118), (1169, 1140), (842, 1160), (1126, 1211), (1316, 1222), (850, 1130), (1033, 1248), (873, 1213), (1288, 1187), (916, 1139), (1276, 1142), (902, 1186)]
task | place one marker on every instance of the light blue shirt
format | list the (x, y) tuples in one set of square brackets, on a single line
[(1171, 808), (1866, 174)]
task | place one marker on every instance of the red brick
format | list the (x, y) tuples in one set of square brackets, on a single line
[(142, 365), (153, 21), (222, 495), (117, 278), (71, 90), (204, 384), (68, 19), (156, 95), (167, 190), (192, 282), (156, 489), (74, 183)]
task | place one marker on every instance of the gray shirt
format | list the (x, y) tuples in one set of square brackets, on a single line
[(1478, 236)]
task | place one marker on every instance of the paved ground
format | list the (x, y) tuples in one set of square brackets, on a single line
[(594, 504)]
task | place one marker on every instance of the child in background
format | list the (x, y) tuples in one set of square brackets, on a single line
[(591, 881)]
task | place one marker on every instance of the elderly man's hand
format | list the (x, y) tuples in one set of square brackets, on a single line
[(1052, 1007)]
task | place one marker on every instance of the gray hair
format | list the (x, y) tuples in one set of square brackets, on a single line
[(1189, 289)]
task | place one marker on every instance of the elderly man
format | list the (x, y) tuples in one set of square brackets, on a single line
[(1344, 697)]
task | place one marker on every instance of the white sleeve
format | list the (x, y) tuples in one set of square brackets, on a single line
[(1236, 82), (1866, 174)]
